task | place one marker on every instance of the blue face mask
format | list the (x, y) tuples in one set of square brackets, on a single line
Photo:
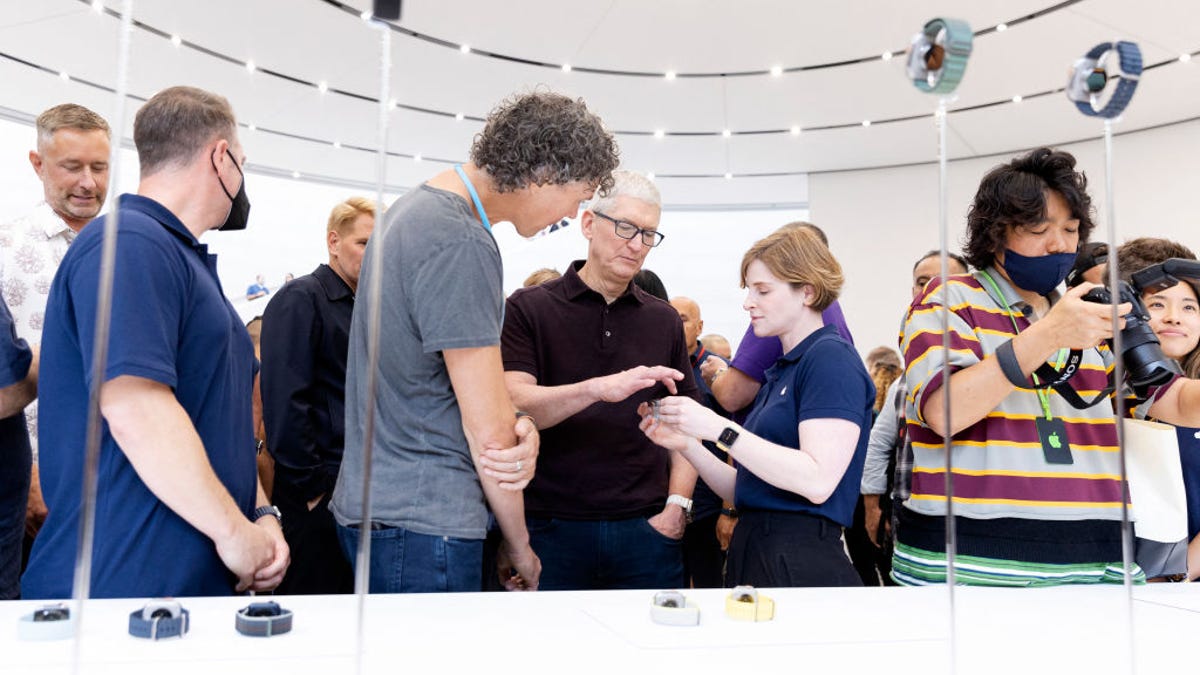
[(1041, 274)]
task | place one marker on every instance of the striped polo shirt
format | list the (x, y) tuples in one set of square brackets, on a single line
[(999, 466)]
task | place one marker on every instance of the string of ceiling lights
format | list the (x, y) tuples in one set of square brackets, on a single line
[(324, 88)]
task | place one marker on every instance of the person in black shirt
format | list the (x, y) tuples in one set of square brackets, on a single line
[(305, 337)]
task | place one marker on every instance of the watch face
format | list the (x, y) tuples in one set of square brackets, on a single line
[(262, 609), (51, 614), (728, 437), (669, 599)]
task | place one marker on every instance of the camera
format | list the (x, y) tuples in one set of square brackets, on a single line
[(1141, 351)]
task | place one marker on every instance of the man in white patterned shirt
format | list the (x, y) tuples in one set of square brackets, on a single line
[(71, 160)]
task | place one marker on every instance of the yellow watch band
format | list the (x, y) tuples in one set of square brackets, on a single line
[(744, 603)]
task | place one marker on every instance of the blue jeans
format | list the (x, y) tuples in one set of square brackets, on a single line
[(407, 562), (604, 554)]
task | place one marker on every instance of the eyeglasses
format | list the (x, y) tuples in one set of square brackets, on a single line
[(627, 230)]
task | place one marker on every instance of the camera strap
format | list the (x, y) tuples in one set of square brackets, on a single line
[(1054, 377)]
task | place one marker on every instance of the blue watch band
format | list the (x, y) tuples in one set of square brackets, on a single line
[(263, 619), (159, 619), (1085, 87)]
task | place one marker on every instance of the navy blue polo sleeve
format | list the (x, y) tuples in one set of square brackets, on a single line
[(15, 355), (149, 299), (833, 384)]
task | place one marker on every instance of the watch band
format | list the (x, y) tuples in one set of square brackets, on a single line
[(680, 501), (159, 619), (744, 603), (936, 65), (268, 510), (1088, 79), (48, 622), (263, 619), (1010, 366), (732, 512), (670, 608)]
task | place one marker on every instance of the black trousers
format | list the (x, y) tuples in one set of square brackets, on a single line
[(779, 549), (703, 559), (318, 566)]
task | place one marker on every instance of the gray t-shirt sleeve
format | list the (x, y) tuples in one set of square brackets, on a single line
[(458, 292), (879, 447)]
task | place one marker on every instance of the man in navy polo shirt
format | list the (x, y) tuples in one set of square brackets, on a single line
[(176, 508)]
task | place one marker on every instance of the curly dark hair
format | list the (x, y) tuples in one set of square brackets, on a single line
[(543, 138), (1014, 194)]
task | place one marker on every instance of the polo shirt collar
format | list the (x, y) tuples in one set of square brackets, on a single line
[(53, 225), (164, 217), (334, 286), (807, 343), (1009, 294), (574, 286), (699, 355)]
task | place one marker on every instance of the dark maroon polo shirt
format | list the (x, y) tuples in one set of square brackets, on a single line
[(596, 464)]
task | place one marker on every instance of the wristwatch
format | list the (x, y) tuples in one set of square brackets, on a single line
[(163, 618), (48, 622), (727, 438), (268, 510), (1089, 77), (744, 603), (670, 608), (263, 619), (684, 503), (938, 56)]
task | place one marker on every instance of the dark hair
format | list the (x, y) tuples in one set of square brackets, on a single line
[(935, 253), (542, 138), (178, 122), (1014, 194), (1138, 254), (648, 281)]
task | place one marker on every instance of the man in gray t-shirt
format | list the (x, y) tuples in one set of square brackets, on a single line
[(445, 448)]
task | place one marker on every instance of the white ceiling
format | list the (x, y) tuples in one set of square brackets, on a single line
[(321, 40)]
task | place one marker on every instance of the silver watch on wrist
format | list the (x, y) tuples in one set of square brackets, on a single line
[(268, 510)]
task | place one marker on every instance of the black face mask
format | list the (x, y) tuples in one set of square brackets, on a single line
[(239, 210)]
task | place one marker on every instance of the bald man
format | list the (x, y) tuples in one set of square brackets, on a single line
[(717, 344), (708, 534)]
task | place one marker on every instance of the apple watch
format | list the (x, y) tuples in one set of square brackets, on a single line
[(158, 619), (938, 56), (744, 603), (682, 502), (263, 619), (670, 608), (48, 622), (268, 510), (1089, 77), (727, 438)]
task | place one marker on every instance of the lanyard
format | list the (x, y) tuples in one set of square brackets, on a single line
[(474, 197), (1043, 397)]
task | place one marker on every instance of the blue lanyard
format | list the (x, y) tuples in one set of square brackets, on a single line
[(487, 224)]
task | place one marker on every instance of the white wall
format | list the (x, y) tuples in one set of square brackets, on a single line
[(880, 221), (699, 258)]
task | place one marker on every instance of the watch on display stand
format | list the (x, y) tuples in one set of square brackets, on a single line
[(159, 619), (938, 56), (1090, 76)]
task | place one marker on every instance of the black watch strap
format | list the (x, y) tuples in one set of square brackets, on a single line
[(1011, 367)]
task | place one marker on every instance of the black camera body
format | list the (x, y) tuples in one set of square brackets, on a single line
[(1141, 352)]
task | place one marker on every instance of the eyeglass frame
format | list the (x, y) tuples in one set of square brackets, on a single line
[(643, 231)]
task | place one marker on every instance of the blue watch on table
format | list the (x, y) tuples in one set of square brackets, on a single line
[(159, 619)]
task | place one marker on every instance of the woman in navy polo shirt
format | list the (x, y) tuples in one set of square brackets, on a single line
[(799, 455)]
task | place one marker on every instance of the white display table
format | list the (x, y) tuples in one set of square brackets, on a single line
[(1058, 630)]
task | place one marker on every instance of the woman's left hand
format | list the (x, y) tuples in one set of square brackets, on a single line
[(690, 418)]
